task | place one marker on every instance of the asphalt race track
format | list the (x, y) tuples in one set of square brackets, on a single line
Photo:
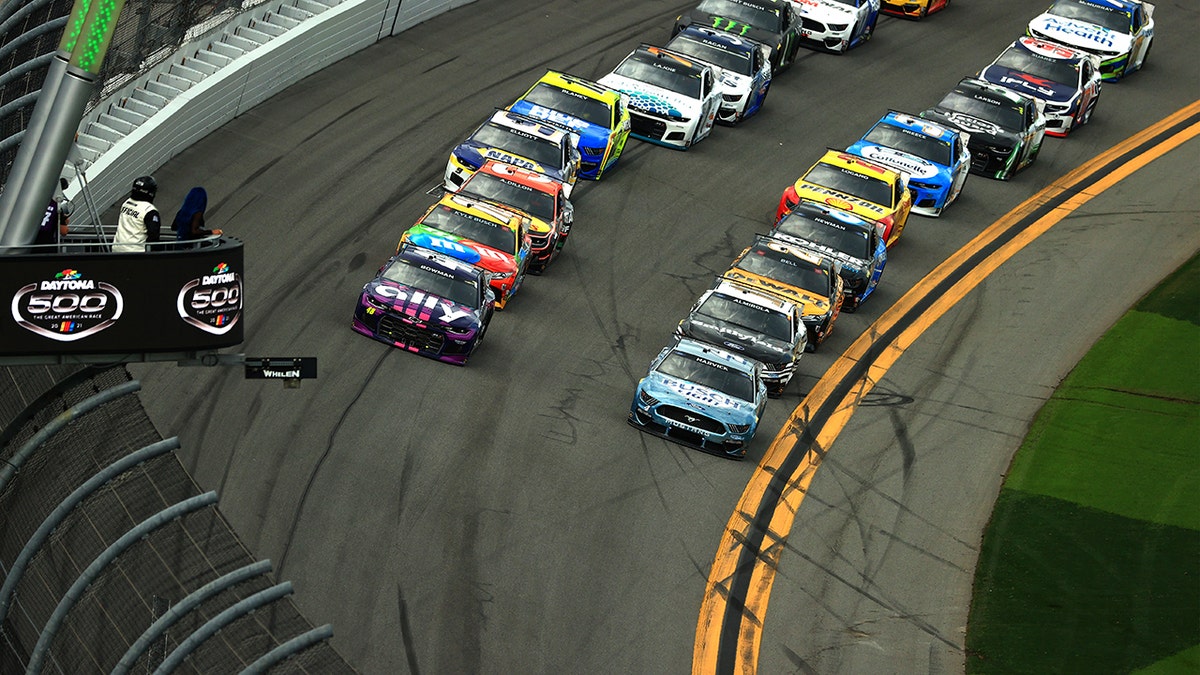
[(503, 517)]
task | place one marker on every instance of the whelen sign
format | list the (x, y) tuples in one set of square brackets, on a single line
[(120, 303)]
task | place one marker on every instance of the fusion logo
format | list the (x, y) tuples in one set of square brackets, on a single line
[(212, 302), (67, 307)]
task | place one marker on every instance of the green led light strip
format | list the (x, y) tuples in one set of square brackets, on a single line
[(74, 25), (96, 35)]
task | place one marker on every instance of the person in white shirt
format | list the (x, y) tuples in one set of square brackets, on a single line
[(138, 223)]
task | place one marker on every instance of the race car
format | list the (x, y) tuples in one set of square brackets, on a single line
[(794, 273), (673, 100), (1067, 80), (836, 25), (743, 67), (934, 156), (480, 233), (428, 303), (770, 22), (534, 194), (1117, 31), (913, 9), (853, 184), (518, 140), (1006, 127), (854, 242), (757, 325), (700, 396), (598, 114)]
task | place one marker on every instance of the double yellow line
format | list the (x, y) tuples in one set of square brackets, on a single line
[(729, 630)]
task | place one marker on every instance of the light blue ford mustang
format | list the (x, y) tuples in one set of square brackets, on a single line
[(701, 396)]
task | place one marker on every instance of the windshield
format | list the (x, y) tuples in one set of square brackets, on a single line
[(1055, 70), (711, 52), (573, 104), (766, 262), (708, 373), (920, 145), (756, 318), (852, 241), (511, 193), (520, 143), (453, 221), (851, 182), (1006, 115), (767, 18), (1080, 10), (665, 73), (460, 290)]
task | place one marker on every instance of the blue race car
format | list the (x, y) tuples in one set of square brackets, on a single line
[(1065, 78), (745, 68), (853, 241), (701, 396), (935, 157), (597, 114)]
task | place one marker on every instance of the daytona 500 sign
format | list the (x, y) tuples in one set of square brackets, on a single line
[(119, 303)]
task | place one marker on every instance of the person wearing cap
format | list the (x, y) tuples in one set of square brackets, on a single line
[(138, 223)]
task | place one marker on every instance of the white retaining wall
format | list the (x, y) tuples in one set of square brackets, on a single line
[(245, 82)]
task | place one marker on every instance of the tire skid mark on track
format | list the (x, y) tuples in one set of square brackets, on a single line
[(312, 476), (730, 628)]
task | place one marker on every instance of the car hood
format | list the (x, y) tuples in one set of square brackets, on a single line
[(843, 201), (685, 394), (643, 96), (590, 135), (981, 130), (850, 264), (422, 306), (1032, 85), (769, 38), (478, 153), (736, 338), (811, 303), (1086, 36), (468, 250), (915, 167)]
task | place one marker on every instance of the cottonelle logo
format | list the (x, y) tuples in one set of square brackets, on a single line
[(67, 307), (212, 302)]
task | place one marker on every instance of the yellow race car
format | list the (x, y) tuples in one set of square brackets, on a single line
[(797, 274), (598, 114), (913, 9), (854, 184)]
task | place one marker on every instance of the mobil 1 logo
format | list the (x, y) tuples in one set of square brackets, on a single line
[(67, 306), (212, 302)]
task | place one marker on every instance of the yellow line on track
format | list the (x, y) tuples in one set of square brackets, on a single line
[(713, 608)]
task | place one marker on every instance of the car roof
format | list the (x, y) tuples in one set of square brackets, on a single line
[(580, 85), (481, 208), (411, 254), (712, 352), (920, 125), (809, 209), (793, 249), (651, 53), (752, 295), (976, 87), (1049, 49), (529, 125), (533, 179), (723, 39), (844, 160)]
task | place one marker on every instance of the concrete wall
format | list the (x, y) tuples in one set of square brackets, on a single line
[(249, 79)]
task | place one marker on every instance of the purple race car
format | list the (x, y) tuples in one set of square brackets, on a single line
[(426, 302)]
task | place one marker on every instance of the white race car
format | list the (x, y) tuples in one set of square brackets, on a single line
[(673, 100), (836, 25), (743, 66), (1118, 31)]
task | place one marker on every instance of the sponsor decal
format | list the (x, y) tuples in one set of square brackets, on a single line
[(731, 26), (838, 203), (502, 156), (1098, 35), (212, 302), (421, 304), (548, 114), (899, 160), (67, 306), (973, 125)]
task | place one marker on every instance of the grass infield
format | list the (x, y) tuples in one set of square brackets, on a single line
[(1091, 563)]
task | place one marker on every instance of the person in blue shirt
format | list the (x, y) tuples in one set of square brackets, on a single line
[(189, 220)]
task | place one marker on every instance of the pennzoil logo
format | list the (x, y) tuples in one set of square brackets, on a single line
[(67, 307), (212, 302)]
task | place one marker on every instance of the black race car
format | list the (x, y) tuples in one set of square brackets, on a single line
[(771, 22), (1006, 127)]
